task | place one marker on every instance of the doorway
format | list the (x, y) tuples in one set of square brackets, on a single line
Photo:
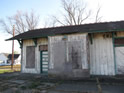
[(44, 61)]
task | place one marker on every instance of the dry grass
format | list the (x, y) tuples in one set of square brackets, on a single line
[(7, 69)]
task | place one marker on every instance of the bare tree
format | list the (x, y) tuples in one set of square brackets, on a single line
[(49, 22), (98, 17), (22, 21), (75, 13)]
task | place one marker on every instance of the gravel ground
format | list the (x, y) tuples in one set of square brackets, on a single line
[(35, 83)]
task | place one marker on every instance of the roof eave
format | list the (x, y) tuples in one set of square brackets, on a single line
[(98, 31)]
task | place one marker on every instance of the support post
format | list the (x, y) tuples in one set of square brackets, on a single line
[(115, 66), (35, 41), (91, 38), (20, 43), (13, 48)]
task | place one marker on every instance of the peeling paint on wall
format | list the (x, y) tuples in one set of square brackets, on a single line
[(69, 56)]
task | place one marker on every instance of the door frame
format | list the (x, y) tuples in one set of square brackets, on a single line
[(118, 62), (114, 36), (41, 68)]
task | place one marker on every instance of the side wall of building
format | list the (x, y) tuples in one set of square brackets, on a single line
[(102, 60), (101, 54), (30, 42), (119, 53), (69, 55)]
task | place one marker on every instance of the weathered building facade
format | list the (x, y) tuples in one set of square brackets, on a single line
[(74, 51)]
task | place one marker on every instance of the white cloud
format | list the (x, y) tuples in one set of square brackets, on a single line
[(111, 10)]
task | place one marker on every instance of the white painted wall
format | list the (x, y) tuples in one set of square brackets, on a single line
[(40, 41), (69, 55), (119, 53), (82, 38), (120, 34), (119, 56), (3, 58), (101, 55)]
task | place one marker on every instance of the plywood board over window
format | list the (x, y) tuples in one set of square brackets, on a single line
[(75, 54), (30, 57), (68, 55), (43, 47), (119, 53), (119, 41), (120, 60)]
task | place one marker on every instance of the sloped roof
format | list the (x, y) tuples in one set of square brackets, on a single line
[(85, 28), (15, 56)]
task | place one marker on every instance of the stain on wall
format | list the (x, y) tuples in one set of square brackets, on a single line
[(75, 54), (119, 52), (68, 56)]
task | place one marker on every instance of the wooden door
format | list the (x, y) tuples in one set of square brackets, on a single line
[(44, 61)]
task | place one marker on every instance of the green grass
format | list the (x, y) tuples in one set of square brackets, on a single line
[(7, 69)]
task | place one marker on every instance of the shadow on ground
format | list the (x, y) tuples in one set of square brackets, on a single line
[(35, 83)]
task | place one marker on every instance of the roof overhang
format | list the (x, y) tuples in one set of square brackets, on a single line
[(86, 28)]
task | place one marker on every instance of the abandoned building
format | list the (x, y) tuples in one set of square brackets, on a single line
[(74, 51)]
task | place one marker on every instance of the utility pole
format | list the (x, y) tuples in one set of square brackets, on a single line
[(13, 47)]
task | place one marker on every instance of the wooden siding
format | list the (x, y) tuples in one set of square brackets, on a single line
[(82, 43), (52, 41), (119, 52), (101, 52), (101, 55), (68, 55), (119, 41), (120, 34), (77, 40), (43, 48), (40, 41)]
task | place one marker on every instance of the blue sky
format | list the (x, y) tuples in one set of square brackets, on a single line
[(9, 7), (42, 7), (111, 10)]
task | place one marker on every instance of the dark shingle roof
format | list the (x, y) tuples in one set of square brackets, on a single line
[(15, 56), (85, 28)]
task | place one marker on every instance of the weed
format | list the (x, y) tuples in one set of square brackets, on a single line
[(34, 85), (23, 87)]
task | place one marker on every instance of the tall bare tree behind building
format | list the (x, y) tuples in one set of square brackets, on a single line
[(97, 16), (22, 21), (75, 13)]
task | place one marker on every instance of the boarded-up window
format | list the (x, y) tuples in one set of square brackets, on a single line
[(43, 47), (58, 55), (30, 57), (119, 41), (74, 48)]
